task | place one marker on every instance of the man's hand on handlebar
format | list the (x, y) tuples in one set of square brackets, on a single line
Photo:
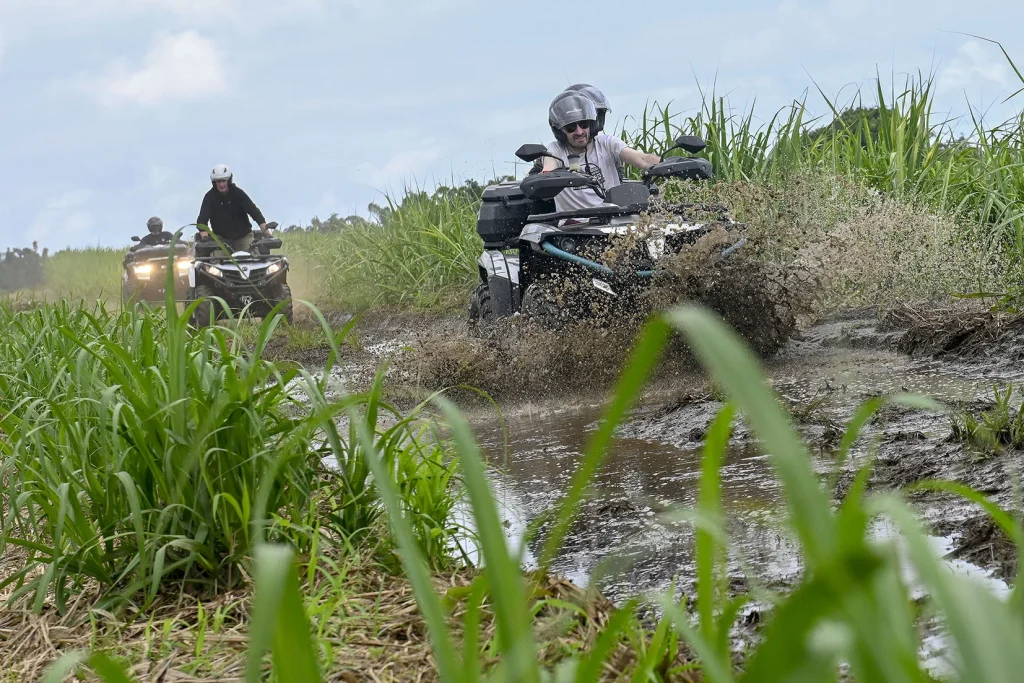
[(651, 159), (203, 235)]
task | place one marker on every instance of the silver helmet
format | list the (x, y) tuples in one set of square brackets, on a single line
[(597, 97), (570, 107)]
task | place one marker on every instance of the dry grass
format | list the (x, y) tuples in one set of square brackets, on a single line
[(366, 622)]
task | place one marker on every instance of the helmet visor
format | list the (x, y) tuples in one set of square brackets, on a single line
[(571, 108)]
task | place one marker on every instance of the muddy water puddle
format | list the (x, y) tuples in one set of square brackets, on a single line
[(632, 538), (627, 540)]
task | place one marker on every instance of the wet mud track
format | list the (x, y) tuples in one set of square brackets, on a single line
[(630, 538)]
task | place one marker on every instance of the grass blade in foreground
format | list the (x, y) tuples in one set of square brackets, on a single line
[(280, 618), (988, 637), (849, 587), (503, 572)]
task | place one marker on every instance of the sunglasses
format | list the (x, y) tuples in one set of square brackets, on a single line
[(571, 128)]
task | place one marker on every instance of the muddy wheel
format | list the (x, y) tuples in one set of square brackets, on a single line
[(540, 305), (283, 294), (481, 307), (207, 312)]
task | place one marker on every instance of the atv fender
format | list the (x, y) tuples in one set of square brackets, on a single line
[(501, 273)]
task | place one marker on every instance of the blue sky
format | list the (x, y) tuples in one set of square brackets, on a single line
[(115, 110)]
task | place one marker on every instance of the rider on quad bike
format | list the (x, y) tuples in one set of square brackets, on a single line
[(157, 235), (603, 109), (245, 277), (574, 120), (145, 265), (575, 243), (226, 210)]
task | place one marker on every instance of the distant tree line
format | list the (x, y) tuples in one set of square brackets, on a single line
[(22, 268), (470, 191)]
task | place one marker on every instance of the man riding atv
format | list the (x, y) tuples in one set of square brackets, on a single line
[(145, 265), (226, 210), (603, 109), (573, 119), (157, 235)]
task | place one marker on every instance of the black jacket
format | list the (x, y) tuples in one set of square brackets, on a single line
[(227, 214), (153, 239)]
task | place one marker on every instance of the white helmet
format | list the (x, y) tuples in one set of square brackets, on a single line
[(220, 172)]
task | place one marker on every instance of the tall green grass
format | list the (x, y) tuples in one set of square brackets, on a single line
[(93, 274), (888, 138), (421, 255), (138, 453)]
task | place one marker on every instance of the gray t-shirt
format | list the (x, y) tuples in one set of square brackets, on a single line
[(598, 161)]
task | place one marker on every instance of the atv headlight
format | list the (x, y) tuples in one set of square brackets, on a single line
[(143, 271), (214, 271), (183, 265), (568, 244), (274, 267)]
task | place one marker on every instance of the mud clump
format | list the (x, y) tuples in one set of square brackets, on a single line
[(981, 541), (968, 335), (760, 299)]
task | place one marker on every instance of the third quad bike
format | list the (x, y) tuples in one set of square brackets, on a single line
[(145, 272), (254, 281), (558, 267)]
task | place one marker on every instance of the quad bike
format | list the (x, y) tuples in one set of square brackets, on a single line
[(145, 272), (589, 264), (254, 282)]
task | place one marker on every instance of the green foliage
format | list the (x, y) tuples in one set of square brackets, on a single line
[(419, 253), (22, 268), (851, 609), (894, 144), (995, 429), (93, 274), (139, 453)]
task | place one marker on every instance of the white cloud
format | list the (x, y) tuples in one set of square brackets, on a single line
[(974, 61), (66, 221), (178, 67)]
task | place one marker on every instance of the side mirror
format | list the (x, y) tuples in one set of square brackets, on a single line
[(272, 226), (135, 238), (689, 143), (531, 152)]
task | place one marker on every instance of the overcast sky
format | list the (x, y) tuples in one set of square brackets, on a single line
[(115, 110)]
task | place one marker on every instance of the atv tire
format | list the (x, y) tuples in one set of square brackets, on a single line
[(201, 317), (540, 305), (283, 294), (481, 307)]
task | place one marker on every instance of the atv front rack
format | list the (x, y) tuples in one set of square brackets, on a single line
[(605, 270)]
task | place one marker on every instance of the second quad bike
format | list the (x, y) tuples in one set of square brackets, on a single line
[(254, 282), (144, 276)]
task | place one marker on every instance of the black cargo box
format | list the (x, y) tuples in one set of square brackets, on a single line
[(503, 213)]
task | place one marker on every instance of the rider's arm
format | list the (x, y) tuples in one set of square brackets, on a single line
[(638, 159), (205, 212), (251, 209)]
